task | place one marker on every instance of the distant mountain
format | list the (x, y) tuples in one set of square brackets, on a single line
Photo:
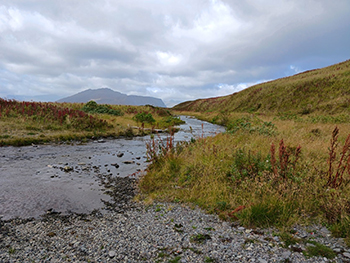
[(108, 96)]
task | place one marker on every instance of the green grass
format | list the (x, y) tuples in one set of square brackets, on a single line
[(200, 238), (175, 259), (322, 91), (289, 240), (209, 259), (12, 251), (319, 250)]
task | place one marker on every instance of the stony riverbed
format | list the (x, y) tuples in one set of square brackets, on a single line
[(157, 233)]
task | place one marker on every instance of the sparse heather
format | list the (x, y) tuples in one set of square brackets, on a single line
[(23, 123)]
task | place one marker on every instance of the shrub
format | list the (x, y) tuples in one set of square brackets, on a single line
[(144, 118), (93, 107)]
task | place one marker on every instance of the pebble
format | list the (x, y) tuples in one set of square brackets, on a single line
[(162, 232), (286, 254), (111, 254)]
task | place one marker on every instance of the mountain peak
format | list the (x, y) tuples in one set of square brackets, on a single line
[(108, 96)]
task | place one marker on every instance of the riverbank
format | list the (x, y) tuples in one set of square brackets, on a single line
[(27, 123), (157, 233), (75, 177), (133, 232)]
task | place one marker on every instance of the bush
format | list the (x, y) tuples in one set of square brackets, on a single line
[(93, 107), (143, 117), (171, 121)]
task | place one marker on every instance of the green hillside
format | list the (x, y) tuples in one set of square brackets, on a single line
[(325, 90)]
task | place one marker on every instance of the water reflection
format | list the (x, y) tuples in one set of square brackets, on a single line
[(67, 177)]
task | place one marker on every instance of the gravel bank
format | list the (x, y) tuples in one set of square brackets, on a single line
[(157, 233)]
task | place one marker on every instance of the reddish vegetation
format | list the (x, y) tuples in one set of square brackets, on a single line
[(286, 164), (49, 113), (335, 180)]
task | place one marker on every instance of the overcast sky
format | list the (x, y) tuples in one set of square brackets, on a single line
[(174, 50)]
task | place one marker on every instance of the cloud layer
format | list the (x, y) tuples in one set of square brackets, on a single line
[(175, 50)]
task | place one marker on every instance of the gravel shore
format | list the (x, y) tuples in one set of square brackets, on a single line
[(156, 233)]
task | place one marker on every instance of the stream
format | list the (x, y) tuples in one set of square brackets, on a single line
[(69, 178)]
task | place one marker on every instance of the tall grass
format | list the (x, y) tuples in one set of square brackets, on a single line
[(278, 179)]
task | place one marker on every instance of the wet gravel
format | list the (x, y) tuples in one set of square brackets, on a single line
[(157, 233)]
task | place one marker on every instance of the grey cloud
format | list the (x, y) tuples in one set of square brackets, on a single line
[(177, 50)]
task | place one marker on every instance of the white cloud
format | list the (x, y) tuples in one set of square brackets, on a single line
[(10, 19), (168, 59), (295, 69)]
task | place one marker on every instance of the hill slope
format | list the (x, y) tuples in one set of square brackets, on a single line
[(108, 96), (325, 90)]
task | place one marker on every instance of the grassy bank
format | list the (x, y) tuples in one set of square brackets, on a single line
[(322, 91), (265, 171), (24, 123)]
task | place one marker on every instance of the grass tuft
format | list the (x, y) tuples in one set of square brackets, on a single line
[(319, 250)]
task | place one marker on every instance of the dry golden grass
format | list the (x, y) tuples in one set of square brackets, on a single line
[(205, 173)]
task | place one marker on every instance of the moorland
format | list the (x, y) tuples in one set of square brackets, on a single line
[(26, 123), (284, 160)]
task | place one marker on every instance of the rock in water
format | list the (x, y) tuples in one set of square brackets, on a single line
[(115, 165), (67, 169)]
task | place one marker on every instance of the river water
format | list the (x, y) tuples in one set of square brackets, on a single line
[(66, 178)]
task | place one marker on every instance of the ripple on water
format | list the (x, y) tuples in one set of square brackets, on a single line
[(67, 178)]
